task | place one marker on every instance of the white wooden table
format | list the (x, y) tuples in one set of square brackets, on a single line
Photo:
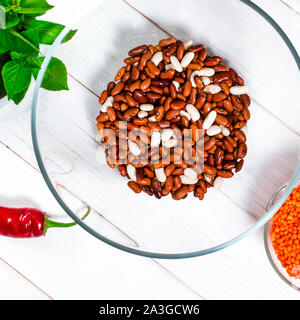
[(74, 265)]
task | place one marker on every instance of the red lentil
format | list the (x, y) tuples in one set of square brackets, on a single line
[(285, 234)]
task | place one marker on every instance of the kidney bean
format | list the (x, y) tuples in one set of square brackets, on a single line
[(173, 91), (137, 51), (219, 156), (103, 97), (168, 74), (240, 125), (239, 165), (245, 100), (148, 190), (161, 82), (221, 120), (236, 103), (168, 185), (228, 146), (166, 42), (209, 169), (219, 97), (221, 76), (225, 174), (187, 88), (181, 193), (103, 117), (240, 135), (140, 97), (134, 186), (153, 68), (246, 114), (229, 165), (242, 151), (156, 187), (177, 104), (196, 48)]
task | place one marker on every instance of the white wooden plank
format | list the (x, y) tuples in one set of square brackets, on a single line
[(257, 56), (83, 267), (292, 4), (239, 272), (14, 287)]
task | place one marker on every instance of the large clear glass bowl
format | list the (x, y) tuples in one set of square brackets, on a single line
[(68, 150)]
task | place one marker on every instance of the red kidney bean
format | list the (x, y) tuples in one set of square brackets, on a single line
[(141, 81), (137, 51)]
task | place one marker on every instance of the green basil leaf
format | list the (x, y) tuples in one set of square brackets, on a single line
[(4, 3), (10, 20), (18, 97), (24, 42), (4, 58), (34, 7), (16, 78), (49, 31), (3, 50), (55, 78)]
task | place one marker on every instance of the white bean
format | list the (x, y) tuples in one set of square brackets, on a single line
[(157, 57), (108, 103), (207, 179), (238, 90), (193, 112), (187, 59), (190, 173), (152, 119), (205, 80), (225, 131), (131, 172), (155, 139), (212, 88), (245, 129), (185, 114), (170, 143), (218, 182), (166, 134), (176, 84), (207, 72), (142, 114), (188, 44), (209, 120), (134, 148), (160, 175), (193, 75), (186, 180), (177, 65), (169, 67), (213, 130), (146, 107)]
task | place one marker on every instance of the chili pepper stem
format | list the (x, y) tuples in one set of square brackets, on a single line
[(54, 224)]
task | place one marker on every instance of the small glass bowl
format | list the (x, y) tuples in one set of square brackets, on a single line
[(294, 283)]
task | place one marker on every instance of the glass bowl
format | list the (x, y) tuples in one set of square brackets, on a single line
[(68, 150), (294, 283)]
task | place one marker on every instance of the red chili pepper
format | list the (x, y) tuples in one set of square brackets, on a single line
[(28, 223)]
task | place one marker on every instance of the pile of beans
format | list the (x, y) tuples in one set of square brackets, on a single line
[(164, 93)]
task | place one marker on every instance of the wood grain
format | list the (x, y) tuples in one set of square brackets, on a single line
[(241, 271)]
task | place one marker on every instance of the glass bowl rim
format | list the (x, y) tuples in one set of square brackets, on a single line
[(263, 220)]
